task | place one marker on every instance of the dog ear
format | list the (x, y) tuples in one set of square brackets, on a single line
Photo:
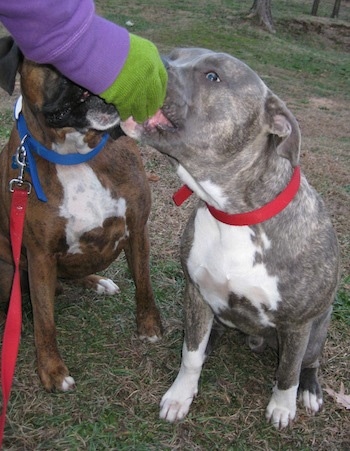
[(284, 129), (10, 59)]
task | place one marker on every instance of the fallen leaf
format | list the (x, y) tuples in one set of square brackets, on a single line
[(341, 398), (153, 177)]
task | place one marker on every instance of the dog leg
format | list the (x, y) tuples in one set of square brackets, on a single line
[(148, 320), (6, 278), (176, 402), (292, 344), (309, 388), (42, 280)]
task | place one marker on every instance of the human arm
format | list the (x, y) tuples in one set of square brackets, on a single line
[(89, 50)]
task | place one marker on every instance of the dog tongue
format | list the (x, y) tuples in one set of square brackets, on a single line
[(133, 129), (156, 120)]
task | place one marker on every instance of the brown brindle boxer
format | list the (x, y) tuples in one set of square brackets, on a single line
[(94, 209)]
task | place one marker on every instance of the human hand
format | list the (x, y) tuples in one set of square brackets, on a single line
[(140, 88)]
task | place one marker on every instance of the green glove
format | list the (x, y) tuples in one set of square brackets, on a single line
[(139, 90)]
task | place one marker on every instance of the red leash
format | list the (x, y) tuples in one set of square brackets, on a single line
[(12, 332)]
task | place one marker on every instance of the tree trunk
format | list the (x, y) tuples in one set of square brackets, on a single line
[(262, 9), (336, 8), (315, 7)]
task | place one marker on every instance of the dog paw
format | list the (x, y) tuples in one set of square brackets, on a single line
[(106, 286), (311, 401), (149, 324), (257, 344), (68, 384), (152, 333), (282, 407), (151, 339), (176, 402), (174, 409), (56, 379), (99, 284), (279, 417)]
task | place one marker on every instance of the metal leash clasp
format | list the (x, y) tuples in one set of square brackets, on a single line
[(21, 160)]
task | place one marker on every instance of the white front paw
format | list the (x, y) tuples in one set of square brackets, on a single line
[(107, 286), (282, 407), (176, 402), (280, 417), (172, 409)]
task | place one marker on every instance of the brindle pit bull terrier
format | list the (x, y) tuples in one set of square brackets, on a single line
[(94, 210), (259, 252)]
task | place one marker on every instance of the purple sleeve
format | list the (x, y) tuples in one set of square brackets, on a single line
[(68, 34)]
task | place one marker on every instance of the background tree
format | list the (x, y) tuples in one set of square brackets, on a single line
[(315, 7), (335, 12), (262, 10)]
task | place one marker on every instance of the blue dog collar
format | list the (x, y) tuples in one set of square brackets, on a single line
[(32, 145)]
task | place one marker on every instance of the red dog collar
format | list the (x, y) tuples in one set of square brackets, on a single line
[(251, 217)]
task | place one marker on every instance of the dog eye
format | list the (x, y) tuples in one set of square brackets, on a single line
[(213, 76)]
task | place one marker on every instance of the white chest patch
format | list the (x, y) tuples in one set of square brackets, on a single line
[(221, 261), (86, 203), (73, 143)]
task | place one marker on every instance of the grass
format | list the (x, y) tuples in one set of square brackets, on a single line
[(120, 380), (342, 302), (6, 121)]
